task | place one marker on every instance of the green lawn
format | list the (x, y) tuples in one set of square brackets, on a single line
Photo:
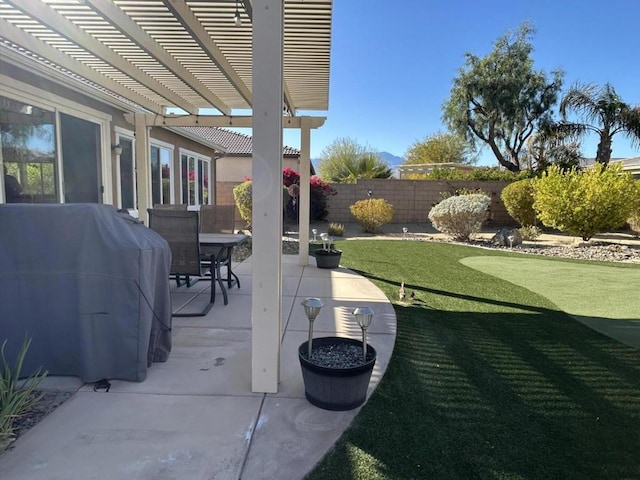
[(489, 379)]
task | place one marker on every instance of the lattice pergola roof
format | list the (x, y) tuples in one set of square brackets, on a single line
[(160, 54)]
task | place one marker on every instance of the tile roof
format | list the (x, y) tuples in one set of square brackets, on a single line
[(236, 144)]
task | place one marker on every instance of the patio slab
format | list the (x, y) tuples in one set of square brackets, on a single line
[(134, 436), (195, 416)]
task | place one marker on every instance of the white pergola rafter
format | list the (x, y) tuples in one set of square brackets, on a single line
[(80, 43), (118, 18), (195, 28), (164, 54), (42, 50)]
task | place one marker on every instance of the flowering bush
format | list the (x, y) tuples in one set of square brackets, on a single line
[(460, 216), (318, 195), (372, 213)]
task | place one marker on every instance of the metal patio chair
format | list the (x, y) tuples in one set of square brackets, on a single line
[(219, 219), (181, 230)]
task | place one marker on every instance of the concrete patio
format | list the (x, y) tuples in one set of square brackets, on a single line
[(195, 417)]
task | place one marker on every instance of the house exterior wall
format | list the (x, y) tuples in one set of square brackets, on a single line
[(54, 93), (236, 169)]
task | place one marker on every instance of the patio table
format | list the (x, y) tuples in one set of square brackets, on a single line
[(226, 242)]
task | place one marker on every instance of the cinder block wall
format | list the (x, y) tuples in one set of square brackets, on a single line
[(411, 199)]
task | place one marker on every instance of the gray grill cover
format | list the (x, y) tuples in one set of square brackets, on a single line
[(88, 285)]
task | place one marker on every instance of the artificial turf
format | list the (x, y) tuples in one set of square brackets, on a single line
[(488, 380)]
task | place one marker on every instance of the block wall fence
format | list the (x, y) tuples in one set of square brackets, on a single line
[(411, 199)]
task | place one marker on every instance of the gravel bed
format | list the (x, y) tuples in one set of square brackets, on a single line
[(341, 355), (49, 400), (593, 250)]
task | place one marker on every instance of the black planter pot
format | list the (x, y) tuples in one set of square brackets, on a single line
[(336, 388), (328, 258)]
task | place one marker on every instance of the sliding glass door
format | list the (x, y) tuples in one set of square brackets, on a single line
[(80, 159)]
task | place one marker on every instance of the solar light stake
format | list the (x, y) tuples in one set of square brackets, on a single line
[(312, 306), (315, 232), (364, 315)]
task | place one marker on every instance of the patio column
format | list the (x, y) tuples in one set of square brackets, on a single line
[(266, 173), (305, 190), (143, 170)]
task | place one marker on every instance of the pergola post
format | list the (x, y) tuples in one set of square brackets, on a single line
[(305, 191), (143, 167), (266, 308)]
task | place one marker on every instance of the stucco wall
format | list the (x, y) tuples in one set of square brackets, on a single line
[(236, 169)]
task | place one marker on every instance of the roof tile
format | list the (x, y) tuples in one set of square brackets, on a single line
[(236, 144)]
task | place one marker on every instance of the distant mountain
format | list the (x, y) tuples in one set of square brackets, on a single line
[(393, 160)]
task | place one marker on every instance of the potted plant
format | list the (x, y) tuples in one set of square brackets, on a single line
[(327, 257), (336, 371)]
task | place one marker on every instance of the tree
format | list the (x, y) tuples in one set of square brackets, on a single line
[(440, 148), (345, 161), (603, 112), (500, 99), (549, 147)]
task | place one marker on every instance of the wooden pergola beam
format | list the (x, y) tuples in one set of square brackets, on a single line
[(231, 121)]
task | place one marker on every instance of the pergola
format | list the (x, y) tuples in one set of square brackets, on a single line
[(268, 57)]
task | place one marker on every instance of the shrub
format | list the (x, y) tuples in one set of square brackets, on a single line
[(585, 203), (529, 232), (336, 229), (15, 396), (477, 174), (372, 213), (518, 200), (634, 218), (243, 199), (242, 194), (319, 191), (461, 191), (460, 216)]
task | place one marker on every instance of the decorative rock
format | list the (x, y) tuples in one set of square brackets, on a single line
[(507, 237)]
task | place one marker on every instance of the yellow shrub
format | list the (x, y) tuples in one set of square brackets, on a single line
[(585, 203), (372, 213)]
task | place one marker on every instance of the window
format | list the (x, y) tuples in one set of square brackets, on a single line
[(52, 152), (195, 171), (161, 173), (28, 152)]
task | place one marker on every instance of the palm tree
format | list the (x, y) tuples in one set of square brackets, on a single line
[(345, 161), (603, 112)]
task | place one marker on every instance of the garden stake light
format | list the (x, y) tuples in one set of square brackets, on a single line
[(364, 315), (312, 306)]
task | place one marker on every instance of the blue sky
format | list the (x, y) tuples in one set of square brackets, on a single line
[(393, 62)]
